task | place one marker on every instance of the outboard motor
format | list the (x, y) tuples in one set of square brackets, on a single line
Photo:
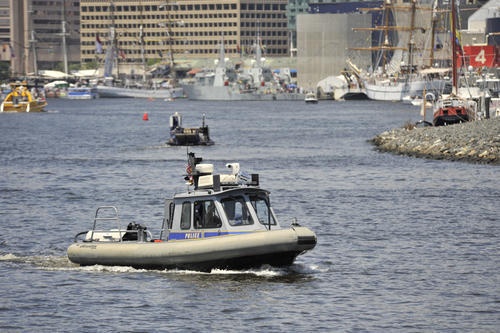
[(136, 233)]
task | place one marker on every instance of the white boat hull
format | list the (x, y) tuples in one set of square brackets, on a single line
[(82, 93), (389, 91), (276, 247), (119, 92)]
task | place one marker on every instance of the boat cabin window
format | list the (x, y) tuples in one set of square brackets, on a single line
[(206, 215), (262, 209), (236, 211), (186, 215)]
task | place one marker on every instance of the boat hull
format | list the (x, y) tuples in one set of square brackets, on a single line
[(396, 91), (276, 248), (450, 116), (82, 93), (118, 92), (311, 98), (227, 93), (196, 139), (346, 94), (23, 107)]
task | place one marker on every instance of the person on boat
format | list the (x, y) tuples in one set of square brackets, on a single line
[(175, 121), (130, 235), (25, 93), (15, 93), (34, 92), (134, 232), (212, 217), (198, 214), (206, 215)]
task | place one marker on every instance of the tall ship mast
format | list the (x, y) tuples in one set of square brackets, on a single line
[(395, 74), (111, 50)]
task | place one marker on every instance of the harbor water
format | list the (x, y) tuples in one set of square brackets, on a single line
[(404, 244)]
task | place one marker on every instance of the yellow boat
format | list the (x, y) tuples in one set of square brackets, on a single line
[(20, 99)]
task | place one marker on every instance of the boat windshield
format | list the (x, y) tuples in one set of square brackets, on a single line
[(236, 211), (206, 215), (262, 208)]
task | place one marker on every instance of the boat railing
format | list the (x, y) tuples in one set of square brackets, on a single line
[(106, 214)]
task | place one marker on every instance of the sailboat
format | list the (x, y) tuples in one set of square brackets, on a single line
[(131, 89), (393, 80), (453, 108)]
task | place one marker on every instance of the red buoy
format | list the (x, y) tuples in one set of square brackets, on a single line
[(145, 116)]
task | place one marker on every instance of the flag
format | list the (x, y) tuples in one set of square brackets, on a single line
[(12, 55), (122, 54), (458, 44), (189, 176), (98, 44)]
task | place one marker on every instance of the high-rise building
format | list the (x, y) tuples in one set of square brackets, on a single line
[(49, 34), (43, 34), (154, 29), (5, 52)]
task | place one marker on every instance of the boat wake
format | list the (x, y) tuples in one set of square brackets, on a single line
[(292, 273), (44, 262), (62, 263)]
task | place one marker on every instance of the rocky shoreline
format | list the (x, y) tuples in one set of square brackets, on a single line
[(475, 141)]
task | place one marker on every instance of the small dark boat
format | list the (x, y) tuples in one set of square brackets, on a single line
[(188, 136)]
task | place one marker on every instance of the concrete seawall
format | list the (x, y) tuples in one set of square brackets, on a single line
[(475, 141)]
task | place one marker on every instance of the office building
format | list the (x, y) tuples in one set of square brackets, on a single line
[(43, 34), (154, 30)]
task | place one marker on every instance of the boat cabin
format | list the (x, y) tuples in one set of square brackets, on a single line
[(219, 204), (218, 213)]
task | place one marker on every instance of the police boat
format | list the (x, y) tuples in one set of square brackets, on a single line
[(223, 221)]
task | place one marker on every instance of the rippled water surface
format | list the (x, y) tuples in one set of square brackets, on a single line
[(405, 244)]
